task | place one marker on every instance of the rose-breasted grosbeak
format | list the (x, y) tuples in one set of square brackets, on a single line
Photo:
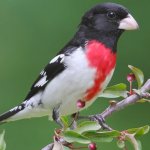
[(81, 70)]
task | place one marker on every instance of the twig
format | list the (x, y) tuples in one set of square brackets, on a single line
[(120, 105), (127, 101)]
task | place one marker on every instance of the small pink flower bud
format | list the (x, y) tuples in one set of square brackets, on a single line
[(92, 146), (80, 104), (131, 77)]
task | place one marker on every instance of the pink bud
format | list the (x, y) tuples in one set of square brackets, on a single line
[(80, 104), (131, 77), (92, 146)]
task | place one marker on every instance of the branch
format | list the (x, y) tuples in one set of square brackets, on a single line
[(127, 101), (118, 106)]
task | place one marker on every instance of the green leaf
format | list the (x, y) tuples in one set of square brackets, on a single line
[(102, 140), (138, 74), (120, 144), (143, 130), (132, 131), (71, 136), (106, 136), (139, 144), (112, 133), (143, 100), (139, 131), (118, 90), (65, 148), (2, 141), (87, 126), (136, 144), (96, 137), (65, 121)]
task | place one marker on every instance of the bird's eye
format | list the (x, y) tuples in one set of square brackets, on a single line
[(111, 15)]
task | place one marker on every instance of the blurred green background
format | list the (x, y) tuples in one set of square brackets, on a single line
[(31, 33)]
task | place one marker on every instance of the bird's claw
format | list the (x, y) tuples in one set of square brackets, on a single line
[(56, 116)]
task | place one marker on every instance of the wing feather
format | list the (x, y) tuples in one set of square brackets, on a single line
[(55, 67)]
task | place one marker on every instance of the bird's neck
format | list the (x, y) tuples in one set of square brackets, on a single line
[(84, 34)]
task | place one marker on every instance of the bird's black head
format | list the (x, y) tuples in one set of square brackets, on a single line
[(106, 22)]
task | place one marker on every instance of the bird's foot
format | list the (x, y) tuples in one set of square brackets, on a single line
[(101, 121), (56, 116)]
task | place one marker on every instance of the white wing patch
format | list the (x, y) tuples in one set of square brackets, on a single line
[(43, 73), (41, 82), (44, 80), (15, 108), (55, 59)]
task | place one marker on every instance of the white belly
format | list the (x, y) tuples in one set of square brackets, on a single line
[(68, 87)]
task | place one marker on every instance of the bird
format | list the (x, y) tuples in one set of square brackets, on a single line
[(81, 70)]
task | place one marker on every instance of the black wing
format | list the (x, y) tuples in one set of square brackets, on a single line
[(50, 71), (55, 67)]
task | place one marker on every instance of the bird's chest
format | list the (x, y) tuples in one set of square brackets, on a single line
[(104, 61)]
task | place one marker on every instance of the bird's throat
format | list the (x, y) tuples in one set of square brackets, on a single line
[(103, 60)]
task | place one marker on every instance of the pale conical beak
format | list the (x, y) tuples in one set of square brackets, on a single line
[(128, 23)]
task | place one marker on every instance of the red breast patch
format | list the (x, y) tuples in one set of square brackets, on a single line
[(103, 60)]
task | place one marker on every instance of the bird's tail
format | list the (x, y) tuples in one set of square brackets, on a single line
[(10, 115), (23, 111)]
